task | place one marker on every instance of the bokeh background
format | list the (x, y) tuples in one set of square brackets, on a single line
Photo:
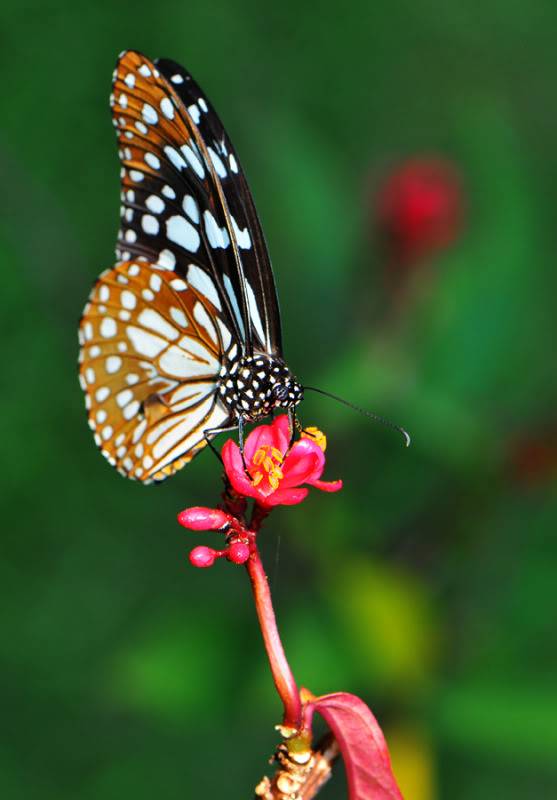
[(403, 158)]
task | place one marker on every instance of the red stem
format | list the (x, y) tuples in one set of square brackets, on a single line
[(282, 674)]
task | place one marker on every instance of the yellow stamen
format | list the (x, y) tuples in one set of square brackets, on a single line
[(315, 435), (277, 455), (269, 458), (259, 456)]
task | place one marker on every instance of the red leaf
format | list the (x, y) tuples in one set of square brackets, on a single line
[(362, 744)]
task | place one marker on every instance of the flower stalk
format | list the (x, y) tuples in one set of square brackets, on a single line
[(280, 668), (272, 470)]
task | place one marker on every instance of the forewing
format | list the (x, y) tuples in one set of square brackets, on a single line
[(185, 198), (151, 353)]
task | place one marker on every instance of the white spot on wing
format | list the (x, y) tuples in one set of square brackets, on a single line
[(150, 318), (217, 237), (179, 432), (220, 169), (167, 108), (113, 364), (179, 317), (155, 282), (242, 237), (166, 260), (254, 314), (128, 299), (193, 160), (175, 158), (150, 224), (191, 208), (152, 160), (193, 111), (199, 279), (187, 394), (149, 114), (216, 417), (131, 410), (144, 343), (124, 397), (201, 316), (225, 333), (178, 363), (108, 328), (182, 232), (234, 303), (155, 204)]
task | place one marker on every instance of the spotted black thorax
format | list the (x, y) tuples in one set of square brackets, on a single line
[(253, 386)]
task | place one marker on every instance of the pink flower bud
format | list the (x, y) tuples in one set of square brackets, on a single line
[(199, 518), (238, 552), (202, 557)]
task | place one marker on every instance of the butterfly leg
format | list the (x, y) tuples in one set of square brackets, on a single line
[(241, 441), (294, 425), (210, 432)]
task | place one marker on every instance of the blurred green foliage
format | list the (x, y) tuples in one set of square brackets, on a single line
[(427, 585)]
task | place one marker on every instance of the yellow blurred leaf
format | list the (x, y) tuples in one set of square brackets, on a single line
[(413, 762), (387, 620)]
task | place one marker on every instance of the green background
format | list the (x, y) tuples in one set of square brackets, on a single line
[(427, 585)]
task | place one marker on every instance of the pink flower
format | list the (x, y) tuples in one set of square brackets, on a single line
[(275, 471), (420, 209)]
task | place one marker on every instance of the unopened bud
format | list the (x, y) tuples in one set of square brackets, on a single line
[(238, 552), (202, 557), (199, 518)]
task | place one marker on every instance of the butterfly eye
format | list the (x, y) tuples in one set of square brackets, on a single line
[(280, 392)]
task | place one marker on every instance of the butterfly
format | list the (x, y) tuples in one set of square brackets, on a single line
[(181, 339)]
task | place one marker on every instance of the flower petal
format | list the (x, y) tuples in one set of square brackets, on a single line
[(259, 437), (285, 497), (303, 464), (327, 486), (277, 434), (282, 431), (234, 468)]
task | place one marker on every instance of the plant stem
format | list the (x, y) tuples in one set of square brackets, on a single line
[(282, 674)]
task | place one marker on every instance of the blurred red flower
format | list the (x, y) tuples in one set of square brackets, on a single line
[(419, 209), (532, 460), (276, 471)]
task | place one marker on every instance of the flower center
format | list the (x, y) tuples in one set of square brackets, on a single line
[(269, 460)]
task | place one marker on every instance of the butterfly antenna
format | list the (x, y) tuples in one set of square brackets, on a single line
[(369, 414)]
